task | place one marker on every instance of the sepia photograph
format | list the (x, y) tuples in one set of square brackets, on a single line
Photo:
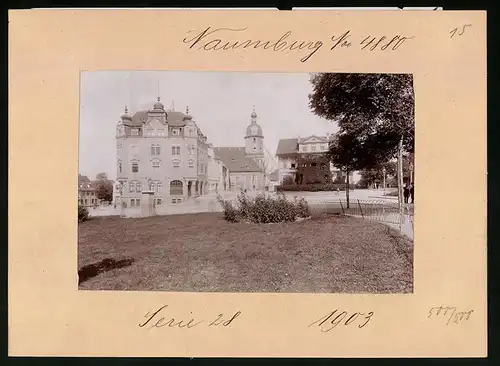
[(246, 182)]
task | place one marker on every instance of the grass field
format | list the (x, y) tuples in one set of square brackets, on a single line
[(202, 252)]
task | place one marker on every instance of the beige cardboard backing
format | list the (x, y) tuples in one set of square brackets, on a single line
[(49, 316)]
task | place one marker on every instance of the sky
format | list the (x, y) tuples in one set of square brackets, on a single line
[(220, 103)]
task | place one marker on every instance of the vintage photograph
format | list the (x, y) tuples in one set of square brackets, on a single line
[(246, 182)]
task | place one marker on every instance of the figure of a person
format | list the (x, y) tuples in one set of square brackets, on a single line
[(411, 193), (406, 193)]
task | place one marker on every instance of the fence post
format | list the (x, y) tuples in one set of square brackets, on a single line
[(343, 213), (359, 205)]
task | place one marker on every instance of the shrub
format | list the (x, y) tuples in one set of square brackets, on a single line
[(83, 213), (264, 209)]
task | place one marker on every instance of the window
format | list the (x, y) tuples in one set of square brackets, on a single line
[(190, 132), (161, 132), (292, 165), (313, 164), (254, 139), (134, 202), (175, 131), (176, 150), (176, 188), (135, 132), (159, 187), (119, 166), (135, 167), (155, 163), (191, 149), (152, 186), (157, 201), (138, 187), (155, 149), (176, 163), (131, 187), (149, 132), (191, 163), (313, 147)]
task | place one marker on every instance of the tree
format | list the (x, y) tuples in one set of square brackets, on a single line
[(104, 191), (101, 176), (104, 187), (376, 110), (345, 155), (313, 168)]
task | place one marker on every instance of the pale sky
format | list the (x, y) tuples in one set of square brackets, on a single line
[(220, 103)]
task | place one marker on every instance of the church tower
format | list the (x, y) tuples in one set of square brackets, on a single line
[(254, 140)]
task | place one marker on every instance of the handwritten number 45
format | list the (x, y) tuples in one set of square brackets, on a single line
[(459, 31)]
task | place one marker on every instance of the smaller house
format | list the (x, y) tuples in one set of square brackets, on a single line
[(290, 150), (86, 192)]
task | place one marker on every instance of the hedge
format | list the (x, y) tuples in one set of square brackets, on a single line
[(314, 187)]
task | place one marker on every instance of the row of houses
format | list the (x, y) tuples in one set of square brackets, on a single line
[(165, 152)]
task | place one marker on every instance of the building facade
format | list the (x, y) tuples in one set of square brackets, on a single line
[(166, 153), (289, 151), (86, 192), (246, 165)]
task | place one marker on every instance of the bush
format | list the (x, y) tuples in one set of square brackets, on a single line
[(83, 213), (314, 187), (264, 209)]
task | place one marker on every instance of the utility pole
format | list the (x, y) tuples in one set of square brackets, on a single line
[(383, 171), (400, 180)]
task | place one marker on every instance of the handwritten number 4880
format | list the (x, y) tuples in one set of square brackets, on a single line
[(459, 31)]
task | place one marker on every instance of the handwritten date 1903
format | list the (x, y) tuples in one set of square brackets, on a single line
[(329, 321)]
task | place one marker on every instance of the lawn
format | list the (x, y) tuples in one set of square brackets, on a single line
[(202, 252)]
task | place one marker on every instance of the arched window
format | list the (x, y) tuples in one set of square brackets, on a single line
[(175, 188)]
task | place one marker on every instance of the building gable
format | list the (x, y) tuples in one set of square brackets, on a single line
[(313, 140)]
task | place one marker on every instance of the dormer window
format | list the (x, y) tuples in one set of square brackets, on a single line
[(175, 132), (135, 132)]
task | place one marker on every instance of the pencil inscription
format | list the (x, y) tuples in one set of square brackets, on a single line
[(450, 314)]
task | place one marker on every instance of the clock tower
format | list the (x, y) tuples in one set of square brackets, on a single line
[(254, 140)]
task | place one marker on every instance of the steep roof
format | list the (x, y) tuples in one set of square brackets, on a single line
[(174, 118), (287, 146), (84, 182), (235, 160), (291, 146)]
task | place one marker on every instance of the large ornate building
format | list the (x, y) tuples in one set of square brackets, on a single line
[(166, 153)]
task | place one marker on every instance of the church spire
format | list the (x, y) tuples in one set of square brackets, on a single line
[(254, 116)]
